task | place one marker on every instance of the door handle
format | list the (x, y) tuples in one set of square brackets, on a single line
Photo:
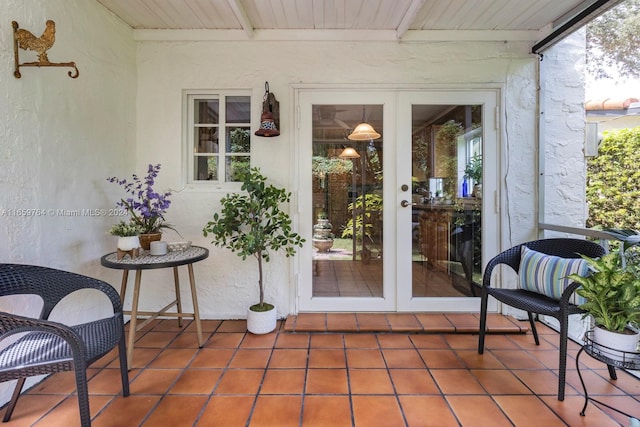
[(404, 204)]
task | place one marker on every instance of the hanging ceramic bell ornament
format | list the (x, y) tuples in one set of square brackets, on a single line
[(270, 114), (267, 125)]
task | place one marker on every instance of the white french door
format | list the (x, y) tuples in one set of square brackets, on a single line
[(375, 198)]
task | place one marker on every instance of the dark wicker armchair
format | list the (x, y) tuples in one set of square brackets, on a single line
[(46, 347), (532, 302)]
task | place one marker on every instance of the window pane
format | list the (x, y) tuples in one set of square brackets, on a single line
[(206, 168), (206, 111), (238, 140), (236, 166), (206, 140), (238, 109)]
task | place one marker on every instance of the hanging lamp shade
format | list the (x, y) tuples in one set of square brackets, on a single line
[(349, 153), (363, 132)]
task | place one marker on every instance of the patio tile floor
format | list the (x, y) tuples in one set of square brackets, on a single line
[(339, 370)]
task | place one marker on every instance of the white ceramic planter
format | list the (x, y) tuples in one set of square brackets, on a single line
[(128, 243), (261, 322), (615, 345)]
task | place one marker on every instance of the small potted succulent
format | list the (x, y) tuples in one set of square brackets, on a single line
[(127, 233), (251, 223)]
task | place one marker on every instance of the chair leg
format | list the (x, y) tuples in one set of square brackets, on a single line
[(534, 330), (82, 388), (14, 400), (562, 365), (612, 372), (124, 369), (484, 297)]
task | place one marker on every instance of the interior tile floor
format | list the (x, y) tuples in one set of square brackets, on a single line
[(355, 377)]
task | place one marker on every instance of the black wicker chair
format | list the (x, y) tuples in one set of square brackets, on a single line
[(532, 302), (46, 347)]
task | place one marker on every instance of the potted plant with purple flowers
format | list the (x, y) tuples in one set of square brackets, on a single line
[(146, 206)]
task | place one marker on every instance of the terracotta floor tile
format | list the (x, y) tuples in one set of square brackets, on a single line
[(403, 358), (171, 325), (464, 322), (430, 341), (259, 341), (196, 381), (155, 339), (495, 342), (174, 358), (413, 381), (370, 381), (300, 340), (327, 358), (176, 411), (361, 340), (457, 381), (462, 341), (478, 411), (500, 382), (441, 359), (541, 381), (372, 322), (185, 340), (528, 411), (433, 322), (227, 411), (515, 359), (569, 409), (341, 322), (311, 322), (401, 322), (365, 358), (395, 341), (207, 358), (59, 383), (327, 341), (283, 381), (154, 381), (225, 340), (207, 326), (233, 326), (427, 411), (473, 360), (107, 381), (126, 411), (316, 411), (374, 411), (250, 359), (240, 381), (281, 411), (327, 381), (288, 358), (67, 413), (143, 356)]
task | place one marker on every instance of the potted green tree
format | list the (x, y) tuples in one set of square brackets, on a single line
[(473, 171), (612, 296), (252, 224)]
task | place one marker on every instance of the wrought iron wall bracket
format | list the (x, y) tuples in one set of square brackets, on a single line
[(21, 39)]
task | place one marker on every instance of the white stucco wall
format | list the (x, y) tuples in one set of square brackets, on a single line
[(60, 138), (226, 284)]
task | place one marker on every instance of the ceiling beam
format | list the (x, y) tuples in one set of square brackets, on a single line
[(409, 17), (242, 17)]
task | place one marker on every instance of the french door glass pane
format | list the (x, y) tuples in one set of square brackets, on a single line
[(447, 199), (347, 202)]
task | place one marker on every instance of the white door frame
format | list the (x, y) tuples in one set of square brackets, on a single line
[(397, 103)]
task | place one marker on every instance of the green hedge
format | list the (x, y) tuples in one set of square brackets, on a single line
[(613, 181)]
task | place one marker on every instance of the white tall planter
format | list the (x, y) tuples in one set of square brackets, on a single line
[(615, 345), (261, 322)]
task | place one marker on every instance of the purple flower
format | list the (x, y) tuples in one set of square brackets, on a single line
[(146, 207)]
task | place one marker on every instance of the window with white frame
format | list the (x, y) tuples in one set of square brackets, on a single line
[(218, 137)]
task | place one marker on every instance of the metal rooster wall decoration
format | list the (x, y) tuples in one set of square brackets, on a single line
[(24, 39)]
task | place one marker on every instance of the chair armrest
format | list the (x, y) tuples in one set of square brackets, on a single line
[(11, 324)]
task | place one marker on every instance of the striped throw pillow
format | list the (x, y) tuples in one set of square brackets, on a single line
[(547, 274)]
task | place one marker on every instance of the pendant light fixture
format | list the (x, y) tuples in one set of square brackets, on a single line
[(364, 131)]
